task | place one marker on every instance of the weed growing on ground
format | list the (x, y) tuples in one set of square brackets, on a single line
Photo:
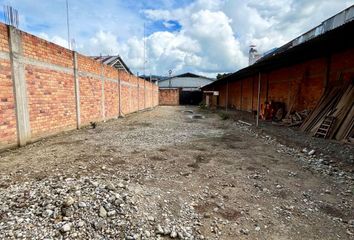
[(224, 116)]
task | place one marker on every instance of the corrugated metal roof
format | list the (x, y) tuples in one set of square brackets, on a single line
[(336, 21), (113, 61), (333, 39), (187, 80)]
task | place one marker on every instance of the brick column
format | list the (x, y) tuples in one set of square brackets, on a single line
[(20, 88)]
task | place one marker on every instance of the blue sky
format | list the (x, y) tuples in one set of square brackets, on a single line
[(203, 36)]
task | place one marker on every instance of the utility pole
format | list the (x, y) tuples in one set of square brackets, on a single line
[(144, 50), (68, 22)]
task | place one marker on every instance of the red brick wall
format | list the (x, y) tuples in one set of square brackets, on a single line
[(49, 76), (169, 97), (4, 40), (90, 100), (302, 83), (42, 50), (8, 133), (111, 99), (51, 101), (7, 106)]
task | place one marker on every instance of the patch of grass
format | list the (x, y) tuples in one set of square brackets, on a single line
[(202, 105), (224, 116)]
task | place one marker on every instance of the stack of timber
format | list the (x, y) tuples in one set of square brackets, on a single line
[(337, 102), (295, 118)]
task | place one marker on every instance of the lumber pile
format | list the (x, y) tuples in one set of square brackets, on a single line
[(295, 118), (336, 102)]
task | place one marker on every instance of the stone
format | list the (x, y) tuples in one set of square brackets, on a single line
[(98, 225), (207, 215), (80, 224), (244, 231), (110, 187), (159, 229), (68, 202), (67, 212), (82, 205), (257, 228), (312, 152), (47, 213), (66, 227), (111, 213), (173, 234), (102, 212), (147, 234), (351, 222)]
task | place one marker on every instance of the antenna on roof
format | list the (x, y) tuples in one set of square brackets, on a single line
[(11, 16)]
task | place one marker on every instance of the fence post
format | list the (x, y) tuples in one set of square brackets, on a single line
[(130, 94), (77, 92), (138, 93), (119, 98), (102, 94), (19, 86)]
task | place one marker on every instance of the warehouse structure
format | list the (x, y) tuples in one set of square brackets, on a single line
[(184, 89), (295, 74)]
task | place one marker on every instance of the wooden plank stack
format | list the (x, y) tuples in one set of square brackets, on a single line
[(337, 102)]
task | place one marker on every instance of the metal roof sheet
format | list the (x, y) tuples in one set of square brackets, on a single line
[(185, 82), (113, 61)]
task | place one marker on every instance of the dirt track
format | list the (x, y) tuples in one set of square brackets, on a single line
[(211, 178)]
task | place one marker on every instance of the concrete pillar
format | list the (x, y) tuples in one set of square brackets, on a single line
[(19, 86), (130, 94), (138, 94), (77, 92), (152, 94), (103, 107), (119, 96)]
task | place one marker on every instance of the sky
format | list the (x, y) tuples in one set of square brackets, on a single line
[(201, 36)]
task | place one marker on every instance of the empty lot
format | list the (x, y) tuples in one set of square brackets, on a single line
[(161, 174)]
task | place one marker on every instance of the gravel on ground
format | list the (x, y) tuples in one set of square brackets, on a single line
[(164, 174)]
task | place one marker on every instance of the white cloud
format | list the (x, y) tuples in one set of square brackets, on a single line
[(223, 30), (55, 39), (168, 24), (214, 37)]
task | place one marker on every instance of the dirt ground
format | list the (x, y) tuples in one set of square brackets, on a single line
[(201, 178)]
